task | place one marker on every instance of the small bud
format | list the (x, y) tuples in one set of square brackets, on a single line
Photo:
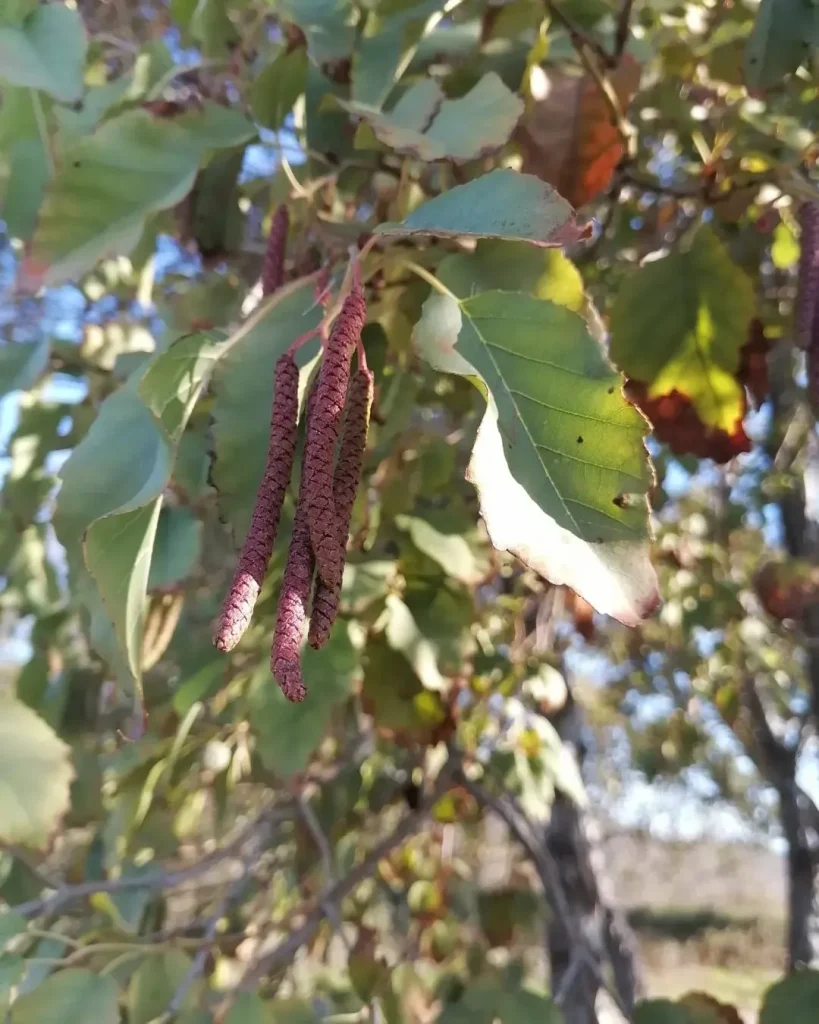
[(264, 522), (273, 267), (807, 300), (345, 486), (322, 437)]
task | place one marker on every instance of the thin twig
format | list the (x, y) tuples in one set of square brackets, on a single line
[(284, 953), (255, 846), (621, 33), (577, 35), (156, 880)]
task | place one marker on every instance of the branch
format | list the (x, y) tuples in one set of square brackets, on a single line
[(578, 36), (157, 880), (507, 809), (256, 845), (283, 954)]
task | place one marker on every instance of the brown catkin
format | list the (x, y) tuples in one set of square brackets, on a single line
[(291, 613), (273, 266), (345, 485), (264, 522), (807, 299), (322, 436)]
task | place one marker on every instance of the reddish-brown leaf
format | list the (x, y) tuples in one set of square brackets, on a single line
[(676, 423), (567, 136)]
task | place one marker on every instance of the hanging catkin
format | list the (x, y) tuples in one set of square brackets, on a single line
[(345, 485), (291, 612), (322, 437), (807, 299), (264, 522), (273, 266)]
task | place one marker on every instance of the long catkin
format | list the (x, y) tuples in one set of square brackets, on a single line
[(264, 522), (345, 485), (273, 266), (291, 613), (807, 299), (322, 437)]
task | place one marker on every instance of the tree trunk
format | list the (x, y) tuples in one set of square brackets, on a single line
[(571, 840)]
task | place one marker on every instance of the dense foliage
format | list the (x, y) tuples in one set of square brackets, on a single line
[(583, 236)]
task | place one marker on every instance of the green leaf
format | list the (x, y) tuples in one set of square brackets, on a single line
[(403, 635), (70, 995), (327, 24), (278, 86), (243, 394), (387, 47), (154, 985), (35, 776), (110, 182), (288, 734), (678, 323), (21, 364), (176, 548), (501, 204), (248, 1009), (211, 27), (559, 462), (485, 1001), (16, 11), (427, 125), (783, 34), (794, 999), (785, 248), (660, 1011), (511, 267), (114, 480), (11, 925), (450, 550), (27, 162), (46, 52)]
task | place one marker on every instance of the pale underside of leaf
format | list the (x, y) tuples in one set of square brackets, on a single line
[(559, 463)]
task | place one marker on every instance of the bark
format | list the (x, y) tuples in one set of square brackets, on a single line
[(778, 763), (573, 844)]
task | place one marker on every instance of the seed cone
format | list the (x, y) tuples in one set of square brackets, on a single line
[(345, 485), (273, 266), (807, 300), (322, 437), (264, 522)]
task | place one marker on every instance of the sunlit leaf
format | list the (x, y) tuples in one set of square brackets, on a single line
[(678, 324)]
